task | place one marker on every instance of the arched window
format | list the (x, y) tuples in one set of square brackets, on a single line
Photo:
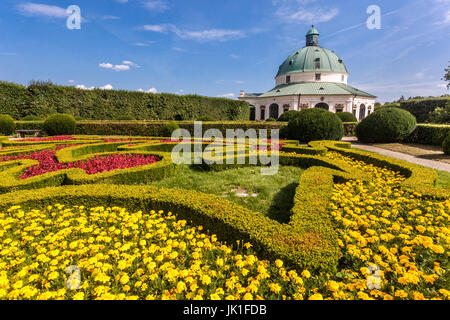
[(322, 105), (362, 111), (274, 111), (262, 113), (252, 113)]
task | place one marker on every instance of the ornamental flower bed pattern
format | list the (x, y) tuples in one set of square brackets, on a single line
[(394, 245), (124, 255), (97, 164)]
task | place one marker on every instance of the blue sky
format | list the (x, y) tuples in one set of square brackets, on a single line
[(217, 48)]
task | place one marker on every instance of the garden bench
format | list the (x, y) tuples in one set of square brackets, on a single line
[(21, 133)]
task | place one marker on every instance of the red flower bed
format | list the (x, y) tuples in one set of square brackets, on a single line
[(98, 164)]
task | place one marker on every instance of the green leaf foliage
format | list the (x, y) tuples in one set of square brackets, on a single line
[(347, 117), (60, 124), (43, 99), (315, 124), (386, 125), (7, 124)]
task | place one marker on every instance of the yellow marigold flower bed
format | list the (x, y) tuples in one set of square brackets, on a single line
[(395, 244), (110, 253)]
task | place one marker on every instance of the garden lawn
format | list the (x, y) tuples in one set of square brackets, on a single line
[(444, 179), (417, 150), (270, 195)]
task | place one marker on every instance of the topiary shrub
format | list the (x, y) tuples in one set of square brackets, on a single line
[(288, 116), (446, 145), (206, 119), (31, 117), (386, 125), (7, 125), (169, 128), (270, 120), (315, 124), (347, 117), (60, 124)]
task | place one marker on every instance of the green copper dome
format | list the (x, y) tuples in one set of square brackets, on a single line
[(312, 58), (308, 58)]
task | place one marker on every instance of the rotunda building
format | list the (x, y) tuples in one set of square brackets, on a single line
[(311, 77)]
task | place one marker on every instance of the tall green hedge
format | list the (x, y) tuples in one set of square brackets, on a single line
[(421, 108), (158, 128), (15, 100), (45, 99), (429, 134)]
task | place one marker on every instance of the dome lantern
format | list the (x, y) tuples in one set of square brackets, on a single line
[(312, 37)]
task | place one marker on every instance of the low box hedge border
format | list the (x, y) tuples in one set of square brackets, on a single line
[(158, 128), (11, 170), (307, 242)]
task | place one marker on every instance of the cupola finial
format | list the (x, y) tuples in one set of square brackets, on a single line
[(312, 37)]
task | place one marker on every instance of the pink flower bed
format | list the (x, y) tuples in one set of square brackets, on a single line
[(276, 147), (134, 139), (48, 139), (98, 164)]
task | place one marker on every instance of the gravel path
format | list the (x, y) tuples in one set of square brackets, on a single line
[(402, 156)]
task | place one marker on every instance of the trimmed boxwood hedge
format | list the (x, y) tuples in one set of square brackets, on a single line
[(386, 125), (315, 124), (429, 134), (7, 124), (288, 116), (60, 124), (309, 241), (156, 128), (347, 117), (45, 99), (421, 108)]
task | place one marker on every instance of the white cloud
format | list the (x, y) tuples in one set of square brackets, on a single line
[(221, 35), (106, 87), (446, 18), (298, 11), (83, 87), (122, 1), (36, 9), (419, 75), (234, 56), (118, 67), (143, 44), (151, 90), (201, 35), (239, 81), (131, 64), (156, 5), (71, 81), (161, 28), (227, 95)]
